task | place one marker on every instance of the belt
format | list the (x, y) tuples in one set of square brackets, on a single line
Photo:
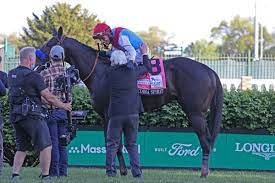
[(33, 108), (51, 107), (37, 110)]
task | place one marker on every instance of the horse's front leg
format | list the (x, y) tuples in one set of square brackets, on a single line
[(121, 161), (122, 165)]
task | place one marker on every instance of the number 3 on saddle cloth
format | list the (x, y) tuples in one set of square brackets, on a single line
[(153, 82)]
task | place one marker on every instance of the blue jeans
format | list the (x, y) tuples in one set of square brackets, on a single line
[(57, 123)]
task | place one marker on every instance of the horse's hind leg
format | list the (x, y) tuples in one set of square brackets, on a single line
[(199, 124), (122, 165)]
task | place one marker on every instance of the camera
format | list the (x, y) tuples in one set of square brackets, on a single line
[(64, 83), (41, 67), (65, 139)]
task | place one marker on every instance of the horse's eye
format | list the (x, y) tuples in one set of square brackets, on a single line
[(49, 44)]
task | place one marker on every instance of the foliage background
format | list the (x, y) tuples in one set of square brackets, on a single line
[(245, 110)]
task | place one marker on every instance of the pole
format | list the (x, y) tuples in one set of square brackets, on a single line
[(261, 41), (256, 35)]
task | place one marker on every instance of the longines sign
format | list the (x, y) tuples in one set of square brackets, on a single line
[(267, 151), (179, 149)]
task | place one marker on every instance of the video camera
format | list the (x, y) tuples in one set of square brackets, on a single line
[(65, 139), (39, 68), (64, 83)]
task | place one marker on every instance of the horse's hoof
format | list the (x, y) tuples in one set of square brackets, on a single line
[(205, 172), (123, 172)]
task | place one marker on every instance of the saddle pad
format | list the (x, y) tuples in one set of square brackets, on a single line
[(153, 82)]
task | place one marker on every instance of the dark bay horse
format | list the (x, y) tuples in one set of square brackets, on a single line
[(194, 85)]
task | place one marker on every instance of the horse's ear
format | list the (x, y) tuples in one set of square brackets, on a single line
[(60, 32), (54, 32)]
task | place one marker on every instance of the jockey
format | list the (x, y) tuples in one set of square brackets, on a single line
[(121, 39)]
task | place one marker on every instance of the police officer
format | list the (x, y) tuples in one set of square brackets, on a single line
[(3, 76), (58, 117), (26, 112), (124, 108), (3, 86)]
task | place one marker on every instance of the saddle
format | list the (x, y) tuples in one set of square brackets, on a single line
[(153, 82)]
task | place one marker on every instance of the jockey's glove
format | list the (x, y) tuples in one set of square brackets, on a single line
[(104, 54), (146, 61), (131, 64)]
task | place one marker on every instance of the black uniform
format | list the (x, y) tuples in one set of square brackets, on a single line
[(4, 78), (3, 86), (26, 112), (124, 108)]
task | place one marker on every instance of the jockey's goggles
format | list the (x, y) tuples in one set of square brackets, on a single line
[(98, 35)]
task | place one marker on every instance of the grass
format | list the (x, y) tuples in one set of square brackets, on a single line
[(88, 175)]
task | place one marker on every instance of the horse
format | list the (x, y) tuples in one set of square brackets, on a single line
[(193, 85)]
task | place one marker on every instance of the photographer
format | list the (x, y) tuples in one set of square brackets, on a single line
[(26, 112), (58, 119)]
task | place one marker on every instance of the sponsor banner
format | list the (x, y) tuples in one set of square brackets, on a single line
[(251, 151), (180, 149), (172, 149), (88, 149)]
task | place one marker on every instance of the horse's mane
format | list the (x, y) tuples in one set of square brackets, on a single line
[(88, 48)]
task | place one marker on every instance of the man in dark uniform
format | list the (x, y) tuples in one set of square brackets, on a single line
[(26, 113), (3, 76), (3, 86), (124, 108)]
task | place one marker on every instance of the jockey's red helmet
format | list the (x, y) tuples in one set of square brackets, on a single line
[(101, 29)]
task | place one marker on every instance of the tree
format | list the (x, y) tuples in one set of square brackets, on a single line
[(201, 48), (155, 38), (237, 36), (12, 38), (76, 22), (270, 49)]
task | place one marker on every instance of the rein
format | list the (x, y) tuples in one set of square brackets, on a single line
[(96, 60)]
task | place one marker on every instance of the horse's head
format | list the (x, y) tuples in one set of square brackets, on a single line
[(82, 56), (57, 38)]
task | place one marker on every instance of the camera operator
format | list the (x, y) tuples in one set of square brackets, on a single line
[(27, 88), (58, 119)]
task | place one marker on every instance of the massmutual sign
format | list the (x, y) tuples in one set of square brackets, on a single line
[(181, 149), (90, 149)]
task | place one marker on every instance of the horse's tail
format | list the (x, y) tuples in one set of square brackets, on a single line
[(216, 111)]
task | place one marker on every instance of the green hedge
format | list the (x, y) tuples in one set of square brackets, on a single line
[(242, 109), (246, 110)]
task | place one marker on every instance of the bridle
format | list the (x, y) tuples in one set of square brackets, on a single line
[(60, 42)]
